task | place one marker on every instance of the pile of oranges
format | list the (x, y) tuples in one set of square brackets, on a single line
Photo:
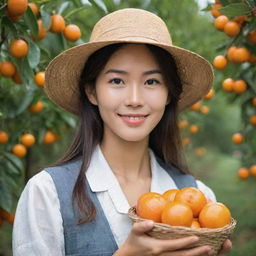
[(186, 207)]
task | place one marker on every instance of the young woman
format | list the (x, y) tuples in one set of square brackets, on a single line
[(127, 85)]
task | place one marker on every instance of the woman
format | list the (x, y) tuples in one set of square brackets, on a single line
[(127, 85)]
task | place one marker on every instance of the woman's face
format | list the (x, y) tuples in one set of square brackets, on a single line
[(130, 93)]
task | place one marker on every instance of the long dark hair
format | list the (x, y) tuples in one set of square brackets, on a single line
[(164, 140)]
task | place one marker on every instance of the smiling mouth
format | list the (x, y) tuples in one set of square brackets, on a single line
[(133, 119)]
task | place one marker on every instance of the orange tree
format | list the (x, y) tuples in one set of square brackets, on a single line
[(237, 63), (31, 34)]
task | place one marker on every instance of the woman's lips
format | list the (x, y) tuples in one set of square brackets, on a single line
[(133, 119)]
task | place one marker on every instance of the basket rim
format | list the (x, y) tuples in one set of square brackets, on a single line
[(132, 214)]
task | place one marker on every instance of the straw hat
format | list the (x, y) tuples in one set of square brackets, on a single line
[(126, 26)]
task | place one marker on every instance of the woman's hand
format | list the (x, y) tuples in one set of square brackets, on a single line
[(140, 244), (226, 247)]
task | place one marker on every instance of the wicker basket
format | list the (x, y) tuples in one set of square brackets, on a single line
[(212, 237)]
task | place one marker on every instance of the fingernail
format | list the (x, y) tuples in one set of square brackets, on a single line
[(209, 250), (149, 223), (195, 239)]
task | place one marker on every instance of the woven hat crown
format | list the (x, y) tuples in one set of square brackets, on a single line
[(121, 25)]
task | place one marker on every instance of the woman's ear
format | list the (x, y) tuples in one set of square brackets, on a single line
[(91, 94)]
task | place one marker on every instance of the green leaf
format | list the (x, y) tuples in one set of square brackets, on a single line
[(26, 101), (63, 7), (5, 196), (109, 5), (207, 8), (14, 160), (31, 21), (46, 17), (8, 24), (251, 3), (25, 71), (69, 119), (98, 6), (33, 54), (235, 10)]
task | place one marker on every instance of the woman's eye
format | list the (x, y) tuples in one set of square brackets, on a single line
[(152, 81), (116, 81)]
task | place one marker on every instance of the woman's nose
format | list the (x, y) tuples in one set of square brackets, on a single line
[(134, 96)]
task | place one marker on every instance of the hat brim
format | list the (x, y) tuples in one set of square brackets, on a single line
[(63, 73)]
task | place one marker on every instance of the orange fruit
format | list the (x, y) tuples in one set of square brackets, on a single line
[(16, 78), (49, 137), (17, 7), (28, 140), (39, 79), (241, 55), (239, 86), (232, 28), (228, 84), (19, 48), (57, 23), (200, 151), (230, 53), (243, 173), (183, 124), (4, 215), (214, 215), (252, 58), (7, 69), (34, 8), (193, 128), (214, 10), (209, 95), (220, 22), (4, 137), (220, 62), (252, 36), (240, 20), (195, 223), (36, 108), (42, 31), (169, 195), (253, 119), (177, 214), (205, 110), (195, 106), (192, 197), (253, 170), (72, 32), (254, 101), (19, 150), (185, 141), (150, 206), (237, 138)]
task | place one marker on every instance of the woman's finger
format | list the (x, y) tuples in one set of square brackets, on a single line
[(197, 251), (226, 247)]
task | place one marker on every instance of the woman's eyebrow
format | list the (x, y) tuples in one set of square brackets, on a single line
[(150, 72)]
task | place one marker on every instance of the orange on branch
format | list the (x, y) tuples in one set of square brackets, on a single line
[(253, 119), (42, 31), (194, 128), (214, 10), (214, 215), (232, 28), (230, 53), (196, 106), (220, 22), (39, 79), (252, 36), (243, 173), (4, 137), (183, 124), (192, 197), (19, 48), (7, 69), (253, 170), (209, 95), (177, 214), (205, 110), (34, 8), (220, 62), (19, 150), (16, 78), (28, 140), (239, 86), (57, 23), (49, 137), (150, 206), (228, 84), (241, 54), (237, 138), (72, 33), (17, 7), (254, 101)]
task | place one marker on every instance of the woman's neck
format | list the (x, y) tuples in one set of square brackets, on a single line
[(128, 160)]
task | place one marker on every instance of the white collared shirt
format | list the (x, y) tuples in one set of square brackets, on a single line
[(38, 228)]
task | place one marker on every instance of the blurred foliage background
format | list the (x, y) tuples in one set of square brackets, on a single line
[(211, 154)]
